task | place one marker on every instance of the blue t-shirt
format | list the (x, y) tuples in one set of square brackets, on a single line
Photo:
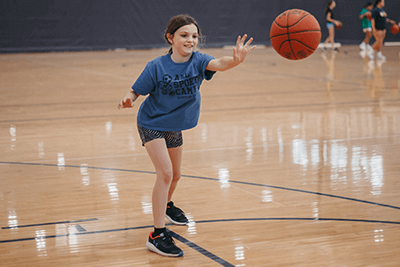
[(174, 98), (380, 18)]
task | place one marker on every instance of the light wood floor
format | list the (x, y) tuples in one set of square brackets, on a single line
[(293, 163)]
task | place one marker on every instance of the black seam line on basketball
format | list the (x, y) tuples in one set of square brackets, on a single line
[(290, 43), (217, 180), (298, 21), (294, 40), (206, 221), (200, 249), (50, 223), (287, 26), (283, 34)]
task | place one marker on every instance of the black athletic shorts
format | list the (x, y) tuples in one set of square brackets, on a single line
[(172, 139)]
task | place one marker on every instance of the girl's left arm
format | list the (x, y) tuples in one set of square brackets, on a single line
[(239, 54)]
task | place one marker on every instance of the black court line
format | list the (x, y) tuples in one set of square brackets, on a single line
[(217, 180), (50, 223), (80, 228), (206, 221), (299, 219), (196, 247), (200, 249)]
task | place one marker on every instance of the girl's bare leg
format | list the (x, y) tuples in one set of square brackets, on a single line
[(159, 155), (175, 155)]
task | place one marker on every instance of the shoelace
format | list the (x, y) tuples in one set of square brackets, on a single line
[(167, 240), (177, 211)]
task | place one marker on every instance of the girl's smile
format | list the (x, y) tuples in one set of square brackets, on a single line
[(184, 42)]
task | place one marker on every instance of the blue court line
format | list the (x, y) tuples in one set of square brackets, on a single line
[(80, 233), (50, 223), (193, 245), (200, 249), (215, 179), (206, 221), (80, 228), (300, 191), (298, 219)]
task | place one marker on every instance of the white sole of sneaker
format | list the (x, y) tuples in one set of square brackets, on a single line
[(175, 222), (152, 248)]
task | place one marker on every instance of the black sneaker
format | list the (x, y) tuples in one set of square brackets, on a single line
[(175, 214), (164, 245)]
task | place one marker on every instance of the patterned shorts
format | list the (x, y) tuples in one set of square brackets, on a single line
[(172, 139)]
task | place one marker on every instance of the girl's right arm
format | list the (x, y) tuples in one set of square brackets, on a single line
[(128, 99), (329, 18)]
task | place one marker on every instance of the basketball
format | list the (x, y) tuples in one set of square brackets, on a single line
[(339, 25), (368, 16), (295, 34), (394, 29)]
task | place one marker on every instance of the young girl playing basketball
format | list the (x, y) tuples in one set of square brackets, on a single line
[(366, 26), (330, 24), (378, 23), (172, 82)]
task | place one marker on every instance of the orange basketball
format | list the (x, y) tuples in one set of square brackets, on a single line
[(368, 16), (295, 34), (339, 25), (394, 29)]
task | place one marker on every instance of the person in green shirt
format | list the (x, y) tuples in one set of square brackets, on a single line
[(366, 26)]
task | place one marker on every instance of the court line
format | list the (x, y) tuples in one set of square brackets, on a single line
[(200, 249), (173, 234), (80, 228), (193, 245), (213, 179), (51, 223), (202, 222)]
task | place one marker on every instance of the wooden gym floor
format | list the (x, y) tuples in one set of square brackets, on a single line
[(293, 163)]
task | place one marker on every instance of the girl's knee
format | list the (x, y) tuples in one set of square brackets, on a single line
[(176, 177), (165, 175)]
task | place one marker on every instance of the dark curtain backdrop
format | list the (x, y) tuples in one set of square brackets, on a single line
[(60, 25)]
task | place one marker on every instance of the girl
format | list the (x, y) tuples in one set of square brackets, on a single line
[(378, 23), (330, 24), (172, 82), (366, 25)]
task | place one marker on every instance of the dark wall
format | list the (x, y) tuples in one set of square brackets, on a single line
[(58, 25)]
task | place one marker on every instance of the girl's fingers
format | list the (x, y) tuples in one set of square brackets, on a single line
[(125, 103), (128, 103), (249, 41)]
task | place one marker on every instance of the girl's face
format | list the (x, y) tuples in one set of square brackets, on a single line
[(333, 5), (370, 7), (184, 40)]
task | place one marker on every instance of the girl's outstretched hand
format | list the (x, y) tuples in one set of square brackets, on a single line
[(241, 50), (125, 103), (128, 99)]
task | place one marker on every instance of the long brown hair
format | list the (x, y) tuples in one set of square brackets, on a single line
[(329, 5), (178, 21)]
